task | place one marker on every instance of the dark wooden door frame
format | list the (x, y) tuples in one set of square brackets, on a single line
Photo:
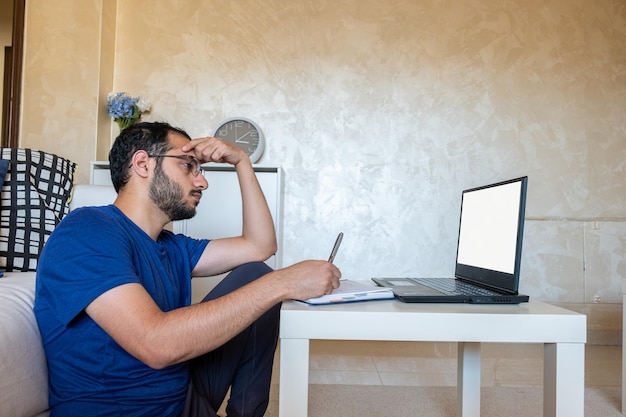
[(13, 80)]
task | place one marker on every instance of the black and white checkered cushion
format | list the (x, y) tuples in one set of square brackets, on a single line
[(35, 197)]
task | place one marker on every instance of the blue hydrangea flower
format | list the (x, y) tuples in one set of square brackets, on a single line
[(126, 110), (120, 105)]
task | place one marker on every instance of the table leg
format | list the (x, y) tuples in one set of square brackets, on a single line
[(468, 380), (564, 379), (293, 391)]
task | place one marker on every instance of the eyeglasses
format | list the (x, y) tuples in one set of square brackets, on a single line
[(191, 164)]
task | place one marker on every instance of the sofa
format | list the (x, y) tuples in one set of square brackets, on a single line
[(23, 371)]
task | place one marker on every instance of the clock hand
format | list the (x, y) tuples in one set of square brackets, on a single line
[(243, 141)]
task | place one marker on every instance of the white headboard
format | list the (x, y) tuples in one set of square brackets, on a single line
[(92, 195)]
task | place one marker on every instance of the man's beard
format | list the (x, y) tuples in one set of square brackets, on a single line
[(169, 197)]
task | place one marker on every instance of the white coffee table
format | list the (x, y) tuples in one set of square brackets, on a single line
[(562, 332)]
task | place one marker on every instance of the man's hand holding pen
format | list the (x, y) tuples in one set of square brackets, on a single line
[(311, 279)]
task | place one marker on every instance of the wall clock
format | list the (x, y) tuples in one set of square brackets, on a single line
[(244, 133)]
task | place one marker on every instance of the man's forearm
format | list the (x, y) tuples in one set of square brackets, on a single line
[(258, 225)]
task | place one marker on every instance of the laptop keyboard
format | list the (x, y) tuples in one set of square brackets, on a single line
[(453, 286)]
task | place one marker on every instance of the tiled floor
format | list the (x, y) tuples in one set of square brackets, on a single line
[(367, 379)]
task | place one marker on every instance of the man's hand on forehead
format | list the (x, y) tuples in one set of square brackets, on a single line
[(210, 149)]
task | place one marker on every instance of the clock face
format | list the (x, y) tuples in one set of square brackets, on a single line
[(243, 133)]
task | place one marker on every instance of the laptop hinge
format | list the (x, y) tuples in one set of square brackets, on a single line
[(487, 286)]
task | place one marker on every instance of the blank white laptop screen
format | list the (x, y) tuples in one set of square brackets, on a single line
[(489, 227)]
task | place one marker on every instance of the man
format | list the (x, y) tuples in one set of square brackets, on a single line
[(113, 291)]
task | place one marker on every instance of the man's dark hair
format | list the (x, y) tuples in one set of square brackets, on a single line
[(144, 136)]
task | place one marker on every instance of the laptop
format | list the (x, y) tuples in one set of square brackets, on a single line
[(489, 251)]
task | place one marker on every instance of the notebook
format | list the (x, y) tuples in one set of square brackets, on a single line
[(351, 291), (489, 251)]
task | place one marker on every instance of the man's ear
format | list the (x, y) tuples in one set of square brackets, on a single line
[(140, 164)]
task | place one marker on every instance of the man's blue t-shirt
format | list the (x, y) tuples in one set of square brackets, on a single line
[(93, 250)]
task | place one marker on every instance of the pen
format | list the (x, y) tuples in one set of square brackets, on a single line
[(333, 253)]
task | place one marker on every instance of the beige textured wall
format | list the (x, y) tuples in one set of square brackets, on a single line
[(60, 80), (380, 113)]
